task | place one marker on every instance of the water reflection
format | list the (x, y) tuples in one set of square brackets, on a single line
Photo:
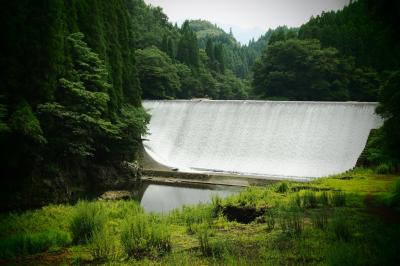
[(163, 198)]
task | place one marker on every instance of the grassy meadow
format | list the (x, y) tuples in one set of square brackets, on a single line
[(349, 219)]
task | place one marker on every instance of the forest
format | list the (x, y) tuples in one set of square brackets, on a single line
[(74, 74)]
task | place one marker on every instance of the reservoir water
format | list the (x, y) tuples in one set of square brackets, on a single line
[(163, 198)]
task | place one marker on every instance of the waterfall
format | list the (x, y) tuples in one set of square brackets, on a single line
[(264, 138)]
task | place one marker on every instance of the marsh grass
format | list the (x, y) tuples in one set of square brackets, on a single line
[(283, 187), (191, 216), (203, 236), (26, 244), (340, 227), (89, 217), (269, 218), (104, 245), (216, 202), (291, 223), (310, 199), (319, 220), (141, 236), (338, 199)]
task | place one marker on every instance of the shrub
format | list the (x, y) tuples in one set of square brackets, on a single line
[(270, 220), (384, 168), (339, 199), (88, 218), (324, 198), (309, 199), (292, 223), (26, 244), (103, 244), (341, 228), (297, 200), (217, 205), (394, 199), (282, 188), (320, 220), (140, 236), (196, 215), (203, 235)]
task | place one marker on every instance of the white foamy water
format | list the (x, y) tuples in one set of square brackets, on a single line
[(284, 139)]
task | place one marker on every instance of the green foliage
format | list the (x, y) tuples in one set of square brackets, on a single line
[(394, 197), (390, 110), (3, 113), (320, 219), (103, 244), (32, 243), (89, 218), (203, 236), (158, 75), (24, 122), (341, 228), (301, 70), (283, 187), (282, 33), (141, 237), (338, 199), (269, 217), (188, 52), (310, 199), (356, 31), (291, 223)]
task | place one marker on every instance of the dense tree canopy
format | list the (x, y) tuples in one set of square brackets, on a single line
[(301, 70), (158, 75)]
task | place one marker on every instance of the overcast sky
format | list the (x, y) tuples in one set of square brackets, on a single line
[(254, 15)]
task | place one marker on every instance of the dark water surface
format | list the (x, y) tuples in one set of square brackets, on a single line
[(162, 198)]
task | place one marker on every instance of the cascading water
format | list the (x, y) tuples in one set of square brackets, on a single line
[(265, 138)]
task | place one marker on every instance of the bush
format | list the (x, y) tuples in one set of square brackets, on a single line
[(196, 215), (394, 199), (140, 237), (89, 217), (309, 199), (103, 244), (270, 220), (282, 188), (203, 235), (216, 202), (324, 198), (341, 228), (26, 244), (384, 168), (320, 220), (339, 199), (292, 223)]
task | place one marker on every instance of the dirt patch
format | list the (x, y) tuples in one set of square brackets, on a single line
[(47, 258)]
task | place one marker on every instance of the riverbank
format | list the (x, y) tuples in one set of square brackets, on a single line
[(349, 219)]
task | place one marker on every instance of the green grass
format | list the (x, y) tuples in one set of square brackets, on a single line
[(88, 218), (140, 237), (323, 222), (26, 244)]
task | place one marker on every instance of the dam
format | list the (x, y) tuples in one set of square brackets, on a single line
[(267, 139)]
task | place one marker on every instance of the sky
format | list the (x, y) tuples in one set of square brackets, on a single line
[(247, 18)]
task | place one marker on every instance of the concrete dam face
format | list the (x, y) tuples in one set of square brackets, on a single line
[(262, 138)]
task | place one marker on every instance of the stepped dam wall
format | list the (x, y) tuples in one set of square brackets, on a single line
[(260, 138)]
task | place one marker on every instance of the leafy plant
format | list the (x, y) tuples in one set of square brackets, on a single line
[(338, 199), (141, 236), (89, 217), (26, 244)]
